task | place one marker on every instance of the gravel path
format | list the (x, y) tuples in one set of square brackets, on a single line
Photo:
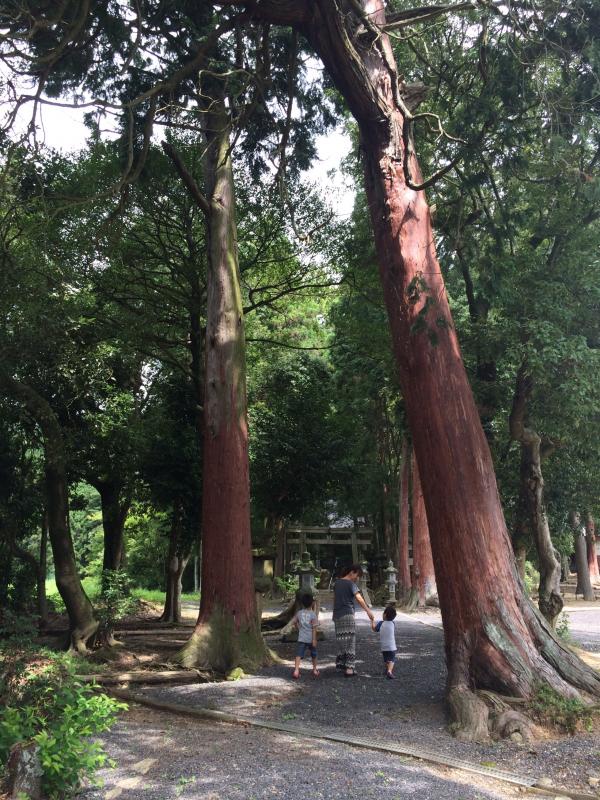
[(163, 757), (215, 761)]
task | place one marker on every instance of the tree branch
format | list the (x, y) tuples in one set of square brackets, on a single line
[(187, 178)]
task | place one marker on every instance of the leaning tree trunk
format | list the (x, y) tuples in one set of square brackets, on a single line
[(532, 507), (592, 558), (227, 633), (584, 584), (494, 637), (423, 571), (82, 622), (404, 583)]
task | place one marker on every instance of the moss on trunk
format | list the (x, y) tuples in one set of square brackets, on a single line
[(219, 646)]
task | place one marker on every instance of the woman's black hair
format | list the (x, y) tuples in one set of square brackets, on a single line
[(353, 568)]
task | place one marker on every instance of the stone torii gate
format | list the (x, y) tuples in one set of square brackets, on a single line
[(301, 537)]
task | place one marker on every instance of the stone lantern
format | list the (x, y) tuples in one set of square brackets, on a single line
[(306, 571), (391, 581)]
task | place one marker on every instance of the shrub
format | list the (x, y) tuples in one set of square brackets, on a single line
[(287, 585), (563, 712), (44, 702), (115, 600)]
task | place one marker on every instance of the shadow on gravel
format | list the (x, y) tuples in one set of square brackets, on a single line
[(162, 756)]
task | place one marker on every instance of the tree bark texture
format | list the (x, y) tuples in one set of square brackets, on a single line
[(423, 571), (590, 537), (584, 584), (404, 583), (531, 507), (82, 622), (227, 632)]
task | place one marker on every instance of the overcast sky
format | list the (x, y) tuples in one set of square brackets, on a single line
[(63, 129)]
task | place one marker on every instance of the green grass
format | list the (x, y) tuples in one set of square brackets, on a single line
[(156, 596), (92, 589)]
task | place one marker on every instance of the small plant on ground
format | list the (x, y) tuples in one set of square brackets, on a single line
[(563, 627), (42, 701), (563, 712)]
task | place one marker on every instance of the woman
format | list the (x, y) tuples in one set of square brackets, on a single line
[(345, 592)]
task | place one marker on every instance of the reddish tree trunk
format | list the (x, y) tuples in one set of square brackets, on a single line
[(423, 572), (494, 637), (227, 632), (404, 583), (590, 535)]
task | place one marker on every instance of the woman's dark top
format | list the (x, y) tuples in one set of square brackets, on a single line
[(343, 597)]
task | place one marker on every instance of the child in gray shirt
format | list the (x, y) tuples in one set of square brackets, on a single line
[(306, 621)]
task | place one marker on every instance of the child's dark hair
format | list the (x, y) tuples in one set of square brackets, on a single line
[(389, 613), (307, 600)]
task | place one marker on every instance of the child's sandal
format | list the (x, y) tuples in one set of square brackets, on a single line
[(295, 674), (315, 673)]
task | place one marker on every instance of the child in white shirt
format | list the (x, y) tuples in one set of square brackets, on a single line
[(387, 639)]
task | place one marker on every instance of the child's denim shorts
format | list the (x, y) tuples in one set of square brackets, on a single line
[(302, 649), (389, 655)]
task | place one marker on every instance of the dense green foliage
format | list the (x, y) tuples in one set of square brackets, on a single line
[(44, 702)]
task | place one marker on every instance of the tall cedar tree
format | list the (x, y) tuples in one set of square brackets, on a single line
[(495, 639)]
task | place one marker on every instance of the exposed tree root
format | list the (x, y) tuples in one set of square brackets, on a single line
[(470, 716), (412, 601), (512, 663), (510, 722), (282, 619), (81, 637)]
